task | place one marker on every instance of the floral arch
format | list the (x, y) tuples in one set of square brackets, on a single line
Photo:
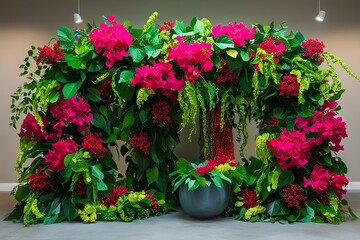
[(96, 86)]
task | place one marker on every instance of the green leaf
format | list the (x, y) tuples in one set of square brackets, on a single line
[(94, 94), (137, 54), (22, 192), (100, 122), (101, 186), (151, 175), (126, 76), (95, 67), (125, 92), (64, 34), (129, 118), (96, 172), (68, 208), (74, 61), (53, 212), (299, 36), (244, 56), (151, 51), (286, 177), (54, 96), (182, 163), (224, 42), (70, 89)]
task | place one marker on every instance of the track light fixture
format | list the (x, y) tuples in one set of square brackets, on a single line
[(321, 15), (77, 17)]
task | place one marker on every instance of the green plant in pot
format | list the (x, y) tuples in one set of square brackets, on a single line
[(205, 186)]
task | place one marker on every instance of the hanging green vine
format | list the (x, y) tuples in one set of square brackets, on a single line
[(189, 107)]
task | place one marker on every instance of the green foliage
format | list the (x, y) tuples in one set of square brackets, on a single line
[(189, 107)]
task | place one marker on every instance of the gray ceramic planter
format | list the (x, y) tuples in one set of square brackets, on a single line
[(205, 202)]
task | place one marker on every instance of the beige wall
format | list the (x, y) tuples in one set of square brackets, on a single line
[(26, 23)]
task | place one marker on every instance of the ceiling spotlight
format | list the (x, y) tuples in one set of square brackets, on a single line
[(321, 15), (77, 17)]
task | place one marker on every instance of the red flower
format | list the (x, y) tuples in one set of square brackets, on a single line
[(39, 181), (105, 90), (274, 47), (289, 86), (159, 112), (249, 198), (313, 48), (168, 25), (80, 187), (154, 205), (49, 54), (94, 145), (114, 195), (55, 157), (141, 142), (31, 129), (294, 195)]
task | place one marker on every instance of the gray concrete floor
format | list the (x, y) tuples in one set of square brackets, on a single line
[(178, 226)]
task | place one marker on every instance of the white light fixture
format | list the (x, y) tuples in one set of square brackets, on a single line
[(77, 17), (321, 15)]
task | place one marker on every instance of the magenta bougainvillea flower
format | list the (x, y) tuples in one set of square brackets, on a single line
[(31, 129), (291, 149), (327, 126), (237, 32), (56, 155), (158, 76), (73, 110), (114, 39), (274, 47), (191, 58)]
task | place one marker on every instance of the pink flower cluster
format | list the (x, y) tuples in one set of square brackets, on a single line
[(294, 195), (167, 26), (114, 195), (326, 125), (38, 181), (160, 112), (31, 129), (49, 54), (313, 48), (114, 39), (212, 163), (274, 47), (289, 86), (55, 157), (94, 145), (237, 32), (321, 179), (291, 148), (158, 76), (192, 59), (141, 142), (72, 110)]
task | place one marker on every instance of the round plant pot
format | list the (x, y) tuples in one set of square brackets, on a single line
[(204, 202)]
